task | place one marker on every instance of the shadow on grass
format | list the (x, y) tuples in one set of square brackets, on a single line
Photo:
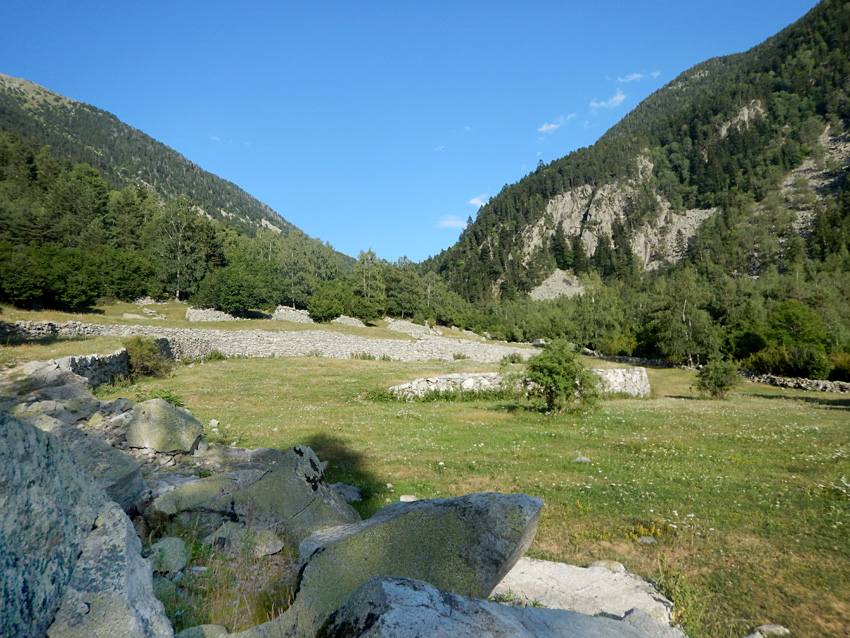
[(345, 464), (830, 402)]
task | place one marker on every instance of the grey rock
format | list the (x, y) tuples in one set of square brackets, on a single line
[(597, 589), (169, 555), (48, 507), (350, 493), (113, 470), (581, 459), (463, 545), (163, 427), (405, 608), (291, 498), (651, 626), (773, 630), (646, 540), (75, 397), (203, 631), (236, 540), (111, 591)]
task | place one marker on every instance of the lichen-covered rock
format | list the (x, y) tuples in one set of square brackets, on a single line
[(48, 506), (463, 545), (386, 607), (169, 555), (158, 425), (237, 540), (290, 498), (113, 470), (111, 591)]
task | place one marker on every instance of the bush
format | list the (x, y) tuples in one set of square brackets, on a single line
[(147, 357), (840, 366), (560, 378), (717, 377), (795, 361)]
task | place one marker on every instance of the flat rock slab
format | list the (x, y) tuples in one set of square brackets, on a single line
[(597, 589), (169, 555), (163, 427), (405, 608), (463, 545)]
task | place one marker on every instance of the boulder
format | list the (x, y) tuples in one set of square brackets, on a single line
[(602, 588), (111, 592), (70, 558), (169, 555), (291, 498), (236, 540), (113, 470), (158, 425), (463, 545), (405, 608)]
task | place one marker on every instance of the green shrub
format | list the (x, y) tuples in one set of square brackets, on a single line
[(717, 377), (147, 357), (459, 356), (162, 393), (809, 361), (840, 366), (560, 378), (365, 356), (513, 357)]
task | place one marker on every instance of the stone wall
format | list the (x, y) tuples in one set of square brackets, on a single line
[(285, 313), (811, 385), (197, 343), (632, 381), (208, 314), (95, 369)]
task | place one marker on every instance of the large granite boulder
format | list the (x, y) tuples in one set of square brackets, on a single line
[(163, 427), (111, 591), (291, 498), (116, 472), (65, 549), (385, 607), (463, 545)]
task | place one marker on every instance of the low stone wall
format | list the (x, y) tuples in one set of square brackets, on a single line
[(285, 313), (197, 343), (95, 369), (208, 314), (409, 328), (632, 381), (349, 321), (810, 385)]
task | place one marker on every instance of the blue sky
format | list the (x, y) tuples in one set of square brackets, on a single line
[(379, 125)]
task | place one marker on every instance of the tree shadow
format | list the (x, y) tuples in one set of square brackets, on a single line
[(345, 465), (840, 402)]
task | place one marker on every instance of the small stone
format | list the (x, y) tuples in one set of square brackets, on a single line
[(581, 459), (773, 630), (646, 540), (407, 498)]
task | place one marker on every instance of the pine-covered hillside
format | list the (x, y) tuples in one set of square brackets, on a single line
[(740, 160), (123, 155)]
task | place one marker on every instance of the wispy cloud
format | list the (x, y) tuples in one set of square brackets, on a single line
[(440, 148), (558, 123), (467, 128), (479, 201), (655, 74), (617, 100), (632, 77), (215, 138), (450, 221)]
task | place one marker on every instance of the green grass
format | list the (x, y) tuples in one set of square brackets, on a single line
[(745, 496)]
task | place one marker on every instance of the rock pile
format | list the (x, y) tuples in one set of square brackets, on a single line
[(285, 313), (208, 314), (413, 329)]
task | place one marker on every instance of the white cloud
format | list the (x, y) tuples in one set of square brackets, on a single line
[(215, 138), (467, 128), (632, 77), (617, 100), (450, 221), (655, 74), (440, 148), (548, 128), (479, 201), (558, 123)]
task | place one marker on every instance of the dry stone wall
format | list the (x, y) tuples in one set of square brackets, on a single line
[(95, 369), (285, 313), (198, 343), (208, 314)]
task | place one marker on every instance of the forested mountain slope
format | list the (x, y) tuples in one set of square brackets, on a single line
[(701, 170), (123, 155)]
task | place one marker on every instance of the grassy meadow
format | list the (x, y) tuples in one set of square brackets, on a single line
[(747, 498)]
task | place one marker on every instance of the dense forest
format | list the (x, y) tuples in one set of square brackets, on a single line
[(753, 284)]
